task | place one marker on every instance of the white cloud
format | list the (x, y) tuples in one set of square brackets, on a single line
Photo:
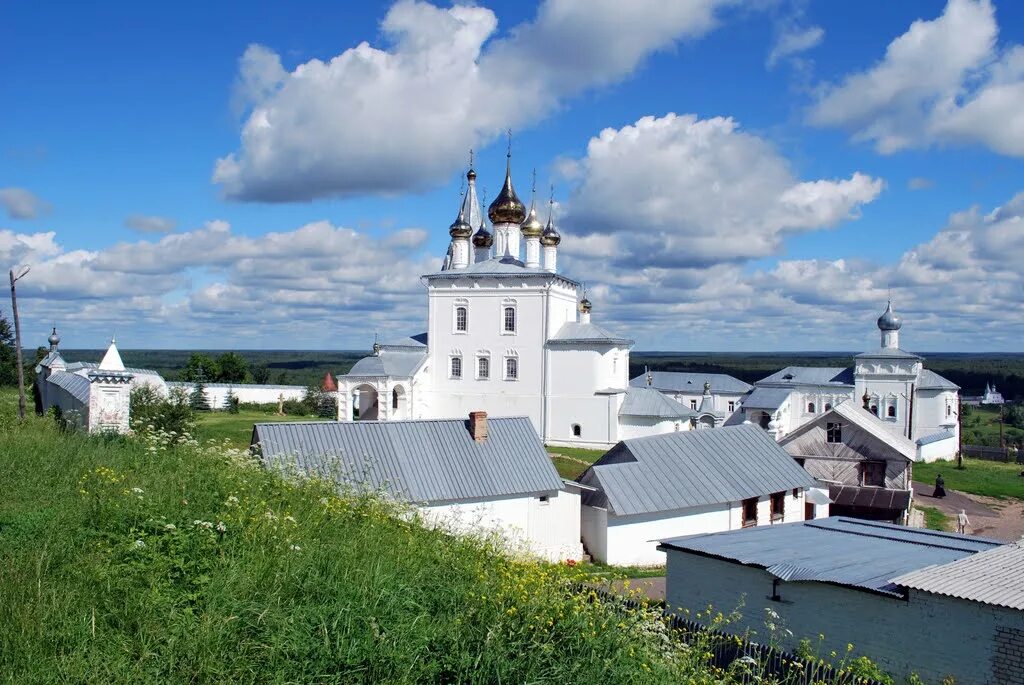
[(22, 204), (793, 40), (944, 81), (678, 191), (150, 224), (386, 120), (26, 248)]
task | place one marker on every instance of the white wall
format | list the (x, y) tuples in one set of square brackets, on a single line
[(549, 530), (932, 635), (217, 393), (641, 426)]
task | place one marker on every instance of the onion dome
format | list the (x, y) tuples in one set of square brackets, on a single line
[(54, 339), (531, 226), (888, 321), (460, 228), (550, 237), (482, 237), (506, 208)]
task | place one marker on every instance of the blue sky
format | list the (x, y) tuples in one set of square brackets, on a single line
[(249, 176)]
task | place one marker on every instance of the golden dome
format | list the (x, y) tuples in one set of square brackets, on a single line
[(507, 208), (483, 237), (531, 227), (460, 228)]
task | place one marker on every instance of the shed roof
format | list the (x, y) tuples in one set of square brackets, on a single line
[(685, 469), (676, 381), (576, 332), (992, 577), (811, 375), (651, 403), (77, 386), (936, 437), (852, 552), (766, 398), (432, 461)]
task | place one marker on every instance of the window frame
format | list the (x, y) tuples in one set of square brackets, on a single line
[(836, 437), (744, 521), (811, 407), (873, 466), (507, 307), (511, 372), (483, 367), (732, 405), (451, 367), (693, 405), (890, 411), (462, 308), (777, 506)]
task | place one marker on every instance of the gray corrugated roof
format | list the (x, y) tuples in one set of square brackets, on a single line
[(650, 402), (692, 468), (572, 331), (49, 359), (929, 380), (389, 363), (853, 552), (863, 419), (936, 437), (678, 381), (416, 342), (887, 353), (78, 366), (431, 461), (811, 375), (77, 386), (766, 398), (992, 577), (495, 267)]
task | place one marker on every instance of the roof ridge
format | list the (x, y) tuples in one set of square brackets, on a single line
[(915, 531)]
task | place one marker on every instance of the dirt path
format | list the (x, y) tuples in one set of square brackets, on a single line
[(1002, 519)]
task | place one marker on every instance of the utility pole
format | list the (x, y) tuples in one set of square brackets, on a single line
[(22, 272), (960, 431)]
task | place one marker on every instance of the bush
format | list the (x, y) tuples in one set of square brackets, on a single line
[(151, 410)]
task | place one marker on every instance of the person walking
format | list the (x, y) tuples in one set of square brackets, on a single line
[(940, 487), (962, 522)]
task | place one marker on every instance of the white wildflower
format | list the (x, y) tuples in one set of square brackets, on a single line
[(289, 518), (171, 527), (221, 528), (203, 524), (232, 501), (137, 491), (295, 548), (139, 544)]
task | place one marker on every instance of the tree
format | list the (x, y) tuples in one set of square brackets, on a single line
[(261, 374), (170, 412), (8, 360), (197, 400), (231, 402), (232, 368), (200, 367)]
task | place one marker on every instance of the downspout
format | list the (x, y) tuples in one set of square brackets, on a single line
[(544, 369), (910, 418)]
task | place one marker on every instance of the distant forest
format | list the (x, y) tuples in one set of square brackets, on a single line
[(304, 367)]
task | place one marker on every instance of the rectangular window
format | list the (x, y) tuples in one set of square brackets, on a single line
[(509, 320), (834, 432), (732, 406), (483, 368), (874, 473), (750, 512), (778, 502), (456, 367), (511, 369), (462, 319), (693, 404)]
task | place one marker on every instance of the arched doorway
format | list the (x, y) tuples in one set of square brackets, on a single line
[(365, 405), (399, 403)]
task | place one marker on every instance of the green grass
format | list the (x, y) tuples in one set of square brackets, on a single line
[(605, 571), (589, 456), (568, 468), (980, 426), (125, 560), (236, 428), (934, 519), (572, 461), (978, 477)]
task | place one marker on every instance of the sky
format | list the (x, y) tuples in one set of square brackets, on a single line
[(728, 176)]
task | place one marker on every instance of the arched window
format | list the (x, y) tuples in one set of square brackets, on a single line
[(456, 367), (509, 320), (949, 410), (394, 398), (828, 406), (891, 411), (810, 407), (511, 369), (874, 409), (576, 430), (461, 319)]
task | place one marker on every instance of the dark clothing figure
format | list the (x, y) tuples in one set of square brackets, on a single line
[(940, 487)]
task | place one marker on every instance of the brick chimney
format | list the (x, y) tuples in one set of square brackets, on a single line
[(478, 425)]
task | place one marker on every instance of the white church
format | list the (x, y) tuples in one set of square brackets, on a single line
[(510, 335)]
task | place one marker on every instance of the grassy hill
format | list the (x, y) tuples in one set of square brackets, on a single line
[(134, 560)]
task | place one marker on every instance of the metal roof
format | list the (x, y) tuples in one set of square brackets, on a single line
[(575, 332), (389, 363), (929, 380), (431, 461), (936, 437), (496, 267), (90, 366), (852, 552), (49, 359), (76, 386), (766, 398), (868, 496), (811, 375), (650, 402), (850, 412), (416, 342), (887, 353), (991, 577), (677, 381), (692, 468)]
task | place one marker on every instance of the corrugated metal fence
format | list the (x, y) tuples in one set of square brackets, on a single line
[(770, 663), (1003, 454)]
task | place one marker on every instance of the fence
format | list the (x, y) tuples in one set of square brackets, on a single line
[(1004, 454), (725, 649)]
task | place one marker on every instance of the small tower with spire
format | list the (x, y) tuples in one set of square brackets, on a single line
[(889, 325), (54, 340), (507, 213), (550, 238), (110, 387), (462, 228), (482, 240), (531, 229)]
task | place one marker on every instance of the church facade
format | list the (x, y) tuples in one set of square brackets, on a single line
[(510, 335)]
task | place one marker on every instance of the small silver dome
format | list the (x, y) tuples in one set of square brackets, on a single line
[(888, 321), (54, 339), (550, 237)]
